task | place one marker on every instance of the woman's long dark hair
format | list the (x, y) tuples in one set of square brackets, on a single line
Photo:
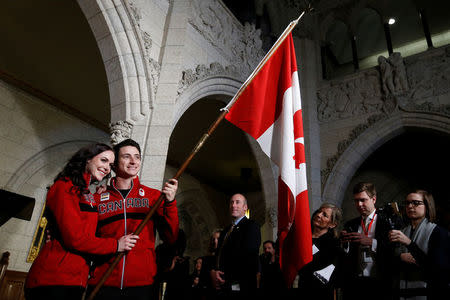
[(76, 166)]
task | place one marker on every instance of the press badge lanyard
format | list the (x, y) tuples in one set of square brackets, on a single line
[(363, 226)]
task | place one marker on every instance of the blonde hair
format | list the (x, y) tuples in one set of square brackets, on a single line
[(336, 216)]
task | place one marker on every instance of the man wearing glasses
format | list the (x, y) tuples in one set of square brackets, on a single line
[(369, 254)]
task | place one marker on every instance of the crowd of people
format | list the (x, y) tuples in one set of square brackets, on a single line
[(380, 254)]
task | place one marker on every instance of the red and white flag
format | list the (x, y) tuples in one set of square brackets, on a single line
[(269, 109)]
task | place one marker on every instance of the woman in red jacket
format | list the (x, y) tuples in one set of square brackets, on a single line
[(61, 269)]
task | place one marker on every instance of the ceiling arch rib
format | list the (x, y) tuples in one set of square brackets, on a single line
[(121, 52)]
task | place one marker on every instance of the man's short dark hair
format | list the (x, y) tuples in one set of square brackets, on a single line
[(367, 187), (124, 143), (269, 241)]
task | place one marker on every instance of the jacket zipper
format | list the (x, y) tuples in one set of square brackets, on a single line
[(125, 228)]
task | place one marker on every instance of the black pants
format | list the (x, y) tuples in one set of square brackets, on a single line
[(54, 293), (114, 293)]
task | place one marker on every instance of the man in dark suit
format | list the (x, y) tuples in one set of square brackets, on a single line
[(237, 256), (369, 254)]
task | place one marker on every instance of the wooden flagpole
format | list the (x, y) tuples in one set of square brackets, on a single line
[(199, 145)]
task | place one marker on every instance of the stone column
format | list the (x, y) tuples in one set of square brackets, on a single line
[(160, 127), (309, 66)]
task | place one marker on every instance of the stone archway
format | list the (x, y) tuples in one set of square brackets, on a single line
[(226, 87), (369, 141), (121, 48)]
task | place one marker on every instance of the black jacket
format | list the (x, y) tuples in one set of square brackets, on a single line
[(240, 254), (384, 257), (330, 252)]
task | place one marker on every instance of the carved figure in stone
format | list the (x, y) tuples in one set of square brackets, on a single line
[(386, 75), (399, 72), (393, 74), (120, 131), (326, 108)]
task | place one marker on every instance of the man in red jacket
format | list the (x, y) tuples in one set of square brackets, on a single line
[(121, 208)]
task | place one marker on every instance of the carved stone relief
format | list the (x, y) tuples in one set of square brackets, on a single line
[(202, 71), (155, 71), (429, 78), (421, 83), (240, 45), (147, 42), (135, 12), (120, 131), (154, 66), (348, 98), (272, 216), (393, 74)]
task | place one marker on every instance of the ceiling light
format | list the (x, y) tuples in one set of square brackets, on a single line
[(391, 21)]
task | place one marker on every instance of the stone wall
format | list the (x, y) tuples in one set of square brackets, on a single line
[(36, 140)]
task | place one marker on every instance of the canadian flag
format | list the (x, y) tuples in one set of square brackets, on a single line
[(269, 109)]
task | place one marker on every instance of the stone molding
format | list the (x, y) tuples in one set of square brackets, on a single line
[(343, 145), (153, 66), (116, 29)]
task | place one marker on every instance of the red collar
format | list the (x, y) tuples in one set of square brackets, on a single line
[(87, 178)]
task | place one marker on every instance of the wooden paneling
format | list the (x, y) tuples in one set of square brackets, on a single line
[(12, 286)]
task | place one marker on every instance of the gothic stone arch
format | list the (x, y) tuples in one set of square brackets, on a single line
[(227, 85), (31, 179), (120, 45), (369, 141)]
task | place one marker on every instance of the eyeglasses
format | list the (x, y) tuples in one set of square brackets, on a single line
[(415, 203)]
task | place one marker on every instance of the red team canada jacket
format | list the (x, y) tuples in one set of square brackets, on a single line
[(118, 216), (73, 220)]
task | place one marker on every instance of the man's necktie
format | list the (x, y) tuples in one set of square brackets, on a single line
[(225, 239)]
